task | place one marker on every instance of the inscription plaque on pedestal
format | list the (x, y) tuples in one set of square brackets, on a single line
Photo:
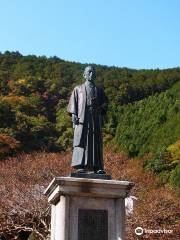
[(92, 224)]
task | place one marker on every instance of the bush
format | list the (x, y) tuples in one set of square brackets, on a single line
[(8, 145), (175, 177)]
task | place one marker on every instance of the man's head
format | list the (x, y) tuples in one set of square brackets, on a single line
[(89, 74)]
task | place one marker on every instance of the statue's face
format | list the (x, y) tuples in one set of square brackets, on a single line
[(89, 74)]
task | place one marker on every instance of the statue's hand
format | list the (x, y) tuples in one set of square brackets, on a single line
[(75, 119)]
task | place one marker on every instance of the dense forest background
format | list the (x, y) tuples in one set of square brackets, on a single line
[(143, 116)]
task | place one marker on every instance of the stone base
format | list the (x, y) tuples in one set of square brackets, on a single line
[(91, 176), (87, 209)]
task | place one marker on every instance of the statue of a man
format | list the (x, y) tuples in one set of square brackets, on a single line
[(87, 106)]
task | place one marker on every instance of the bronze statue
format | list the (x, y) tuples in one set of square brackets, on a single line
[(87, 106)]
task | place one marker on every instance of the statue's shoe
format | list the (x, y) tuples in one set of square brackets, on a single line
[(81, 170), (101, 172)]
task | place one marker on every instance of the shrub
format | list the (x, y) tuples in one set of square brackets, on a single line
[(175, 177), (8, 145)]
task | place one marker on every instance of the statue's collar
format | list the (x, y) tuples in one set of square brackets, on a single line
[(89, 84)]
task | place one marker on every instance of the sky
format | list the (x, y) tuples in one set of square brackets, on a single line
[(124, 33)]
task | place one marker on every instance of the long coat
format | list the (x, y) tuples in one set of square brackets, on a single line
[(77, 105)]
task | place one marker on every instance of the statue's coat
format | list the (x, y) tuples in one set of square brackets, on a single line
[(77, 106)]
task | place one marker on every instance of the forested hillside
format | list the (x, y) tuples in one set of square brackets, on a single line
[(141, 133), (152, 127), (143, 116), (151, 124)]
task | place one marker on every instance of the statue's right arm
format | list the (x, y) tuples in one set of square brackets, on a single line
[(73, 107), (73, 103)]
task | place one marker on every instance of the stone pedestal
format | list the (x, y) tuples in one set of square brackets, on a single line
[(87, 209)]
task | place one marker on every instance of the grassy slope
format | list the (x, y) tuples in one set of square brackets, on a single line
[(22, 202)]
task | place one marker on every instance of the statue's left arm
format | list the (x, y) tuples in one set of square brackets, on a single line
[(103, 102)]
